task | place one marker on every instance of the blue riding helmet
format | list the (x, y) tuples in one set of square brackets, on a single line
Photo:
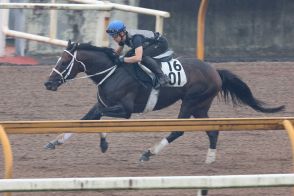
[(115, 27)]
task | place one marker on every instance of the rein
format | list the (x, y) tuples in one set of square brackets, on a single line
[(71, 64)]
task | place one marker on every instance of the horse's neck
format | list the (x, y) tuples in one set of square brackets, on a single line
[(98, 65)]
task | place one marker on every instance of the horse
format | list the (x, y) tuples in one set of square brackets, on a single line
[(121, 92)]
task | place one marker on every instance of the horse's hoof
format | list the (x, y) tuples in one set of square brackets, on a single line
[(49, 146), (103, 145), (146, 156), (202, 192)]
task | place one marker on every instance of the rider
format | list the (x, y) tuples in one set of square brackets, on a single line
[(144, 45)]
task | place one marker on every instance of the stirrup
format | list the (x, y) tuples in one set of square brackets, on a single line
[(156, 85)]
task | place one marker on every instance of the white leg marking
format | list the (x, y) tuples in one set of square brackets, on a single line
[(159, 146), (63, 137), (102, 135), (211, 156)]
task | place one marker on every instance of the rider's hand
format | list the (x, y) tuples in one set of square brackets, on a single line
[(119, 60)]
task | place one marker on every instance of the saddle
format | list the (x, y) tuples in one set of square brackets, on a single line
[(143, 75), (164, 57)]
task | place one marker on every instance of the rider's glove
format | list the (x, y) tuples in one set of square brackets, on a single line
[(119, 60)]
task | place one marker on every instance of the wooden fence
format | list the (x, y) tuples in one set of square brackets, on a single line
[(148, 125)]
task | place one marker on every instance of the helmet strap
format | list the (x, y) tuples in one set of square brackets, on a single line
[(121, 35)]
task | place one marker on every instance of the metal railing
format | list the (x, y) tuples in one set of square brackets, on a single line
[(104, 6)]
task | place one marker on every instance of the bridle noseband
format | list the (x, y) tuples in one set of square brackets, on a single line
[(69, 66)]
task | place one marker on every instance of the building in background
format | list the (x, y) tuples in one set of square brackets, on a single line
[(235, 29)]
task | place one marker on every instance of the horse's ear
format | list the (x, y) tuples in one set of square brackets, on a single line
[(74, 47), (69, 43)]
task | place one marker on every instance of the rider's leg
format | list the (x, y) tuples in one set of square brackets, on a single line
[(151, 64)]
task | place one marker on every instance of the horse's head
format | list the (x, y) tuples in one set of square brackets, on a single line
[(66, 68)]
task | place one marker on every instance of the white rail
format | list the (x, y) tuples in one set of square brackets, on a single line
[(53, 6), (135, 183), (158, 14), (39, 38), (103, 6)]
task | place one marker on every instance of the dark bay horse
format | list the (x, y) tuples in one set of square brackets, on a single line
[(120, 94)]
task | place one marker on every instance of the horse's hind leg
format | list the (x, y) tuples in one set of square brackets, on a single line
[(184, 113), (103, 143), (212, 136), (211, 153)]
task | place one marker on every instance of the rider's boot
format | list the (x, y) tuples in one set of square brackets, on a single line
[(162, 79)]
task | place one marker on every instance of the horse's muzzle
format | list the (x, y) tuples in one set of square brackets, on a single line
[(52, 86)]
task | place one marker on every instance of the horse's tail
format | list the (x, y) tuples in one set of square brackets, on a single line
[(240, 93)]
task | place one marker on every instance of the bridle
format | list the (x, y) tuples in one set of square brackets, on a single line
[(69, 67)]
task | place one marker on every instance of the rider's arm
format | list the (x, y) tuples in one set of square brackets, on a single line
[(138, 45), (137, 57)]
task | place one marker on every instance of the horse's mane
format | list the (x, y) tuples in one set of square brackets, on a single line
[(108, 51)]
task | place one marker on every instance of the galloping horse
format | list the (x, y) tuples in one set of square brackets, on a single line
[(121, 93)]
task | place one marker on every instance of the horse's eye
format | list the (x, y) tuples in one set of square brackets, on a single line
[(63, 65)]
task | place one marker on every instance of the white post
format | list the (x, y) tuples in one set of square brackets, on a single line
[(101, 37), (2, 35), (3, 26), (19, 25), (53, 22), (159, 24)]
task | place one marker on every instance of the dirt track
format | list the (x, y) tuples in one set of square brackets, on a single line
[(23, 97)]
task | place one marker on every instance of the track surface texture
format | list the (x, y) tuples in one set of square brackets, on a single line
[(23, 97)]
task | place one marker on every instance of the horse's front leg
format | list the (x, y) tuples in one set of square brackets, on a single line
[(116, 111), (97, 112), (60, 139), (93, 114)]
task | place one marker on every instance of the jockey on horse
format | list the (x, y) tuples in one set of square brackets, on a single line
[(144, 45)]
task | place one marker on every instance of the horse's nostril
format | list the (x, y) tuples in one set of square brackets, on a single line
[(51, 85), (48, 85)]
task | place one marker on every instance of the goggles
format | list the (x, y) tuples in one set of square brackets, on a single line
[(113, 33)]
